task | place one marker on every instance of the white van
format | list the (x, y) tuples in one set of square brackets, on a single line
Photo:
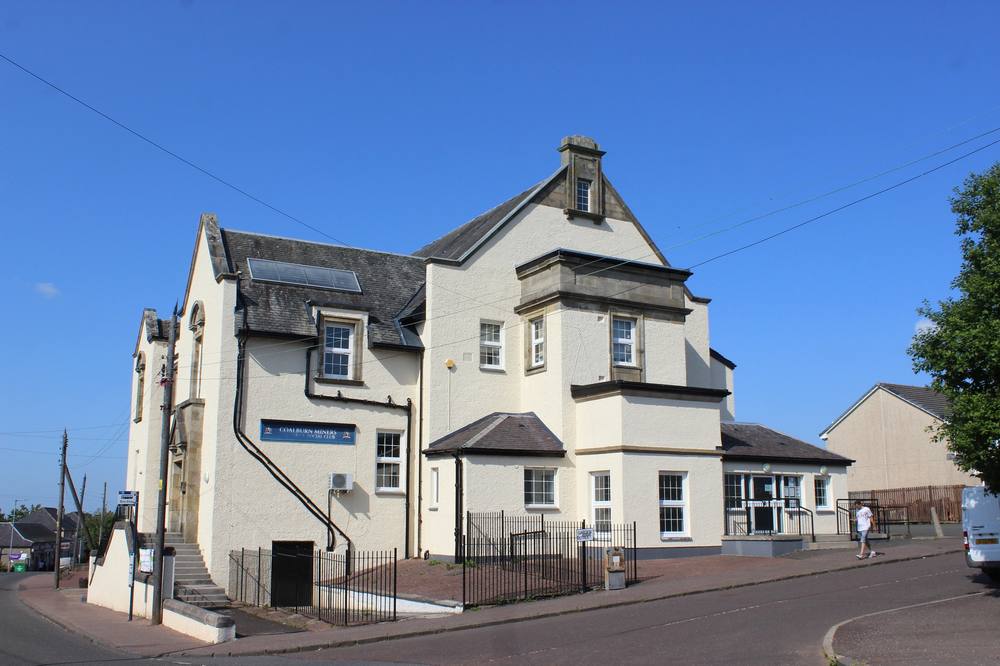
[(981, 529)]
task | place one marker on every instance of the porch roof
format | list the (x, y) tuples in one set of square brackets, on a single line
[(752, 441), (501, 433)]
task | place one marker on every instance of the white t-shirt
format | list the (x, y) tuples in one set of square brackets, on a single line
[(864, 519)]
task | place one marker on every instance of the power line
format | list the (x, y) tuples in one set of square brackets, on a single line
[(55, 453), (847, 205), (171, 153)]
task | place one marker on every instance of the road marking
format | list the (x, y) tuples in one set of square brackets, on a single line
[(832, 631)]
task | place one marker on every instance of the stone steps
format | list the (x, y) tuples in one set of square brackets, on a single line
[(192, 582)]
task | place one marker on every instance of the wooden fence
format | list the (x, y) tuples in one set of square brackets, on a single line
[(919, 500)]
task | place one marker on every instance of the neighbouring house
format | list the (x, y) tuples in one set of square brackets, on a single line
[(887, 433), (543, 358), (34, 536), (12, 541)]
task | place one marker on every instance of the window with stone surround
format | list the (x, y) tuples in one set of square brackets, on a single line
[(583, 187), (623, 341)]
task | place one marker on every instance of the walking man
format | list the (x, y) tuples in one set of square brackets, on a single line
[(865, 521)]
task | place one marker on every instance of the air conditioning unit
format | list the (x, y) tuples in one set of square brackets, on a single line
[(341, 481)]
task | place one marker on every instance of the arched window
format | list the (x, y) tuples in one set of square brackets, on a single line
[(140, 384), (197, 326)]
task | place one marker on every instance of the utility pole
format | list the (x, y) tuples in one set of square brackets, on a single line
[(77, 501), (79, 520), (161, 495), (59, 515), (10, 551), (104, 510)]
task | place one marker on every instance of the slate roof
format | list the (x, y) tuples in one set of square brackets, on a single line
[(456, 243), (501, 433), (751, 441), (46, 517), (36, 533), (388, 282), (925, 398), (18, 539)]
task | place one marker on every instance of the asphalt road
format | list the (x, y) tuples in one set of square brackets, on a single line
[(28, 638), (774, 623)]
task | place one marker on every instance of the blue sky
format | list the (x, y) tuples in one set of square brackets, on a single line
[(387, 124)]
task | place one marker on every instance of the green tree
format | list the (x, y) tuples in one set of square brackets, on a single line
[(961, 350), (18, 512)]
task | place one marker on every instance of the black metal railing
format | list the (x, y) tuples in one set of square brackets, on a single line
[(509, 558), (884, 518), (782, 516), (345, 589)]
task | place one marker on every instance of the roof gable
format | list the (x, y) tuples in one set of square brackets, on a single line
[(459, 243), (923, 398)]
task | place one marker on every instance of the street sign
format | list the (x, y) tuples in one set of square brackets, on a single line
[(585, 534), (128, 497)]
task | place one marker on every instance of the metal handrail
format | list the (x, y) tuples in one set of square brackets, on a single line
[(745, 506)]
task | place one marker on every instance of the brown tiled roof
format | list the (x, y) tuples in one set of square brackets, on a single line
[(751, 441), (501, 433)]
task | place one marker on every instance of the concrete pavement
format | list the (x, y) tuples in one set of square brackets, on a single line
[(66, 608)]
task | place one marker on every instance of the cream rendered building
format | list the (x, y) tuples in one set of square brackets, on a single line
[(887, 433), (542, 358)]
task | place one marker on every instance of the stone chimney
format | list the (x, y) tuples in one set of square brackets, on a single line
[(584, 182)]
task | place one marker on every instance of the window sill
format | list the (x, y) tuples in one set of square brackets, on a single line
[(625, 366), (825, 509), (390, 491), (534, 370), (672, 538), (339, 382), (491, 368), (541, 507), (432, 508), (586, 214)]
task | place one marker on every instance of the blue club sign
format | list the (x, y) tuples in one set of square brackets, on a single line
[(303, 432)]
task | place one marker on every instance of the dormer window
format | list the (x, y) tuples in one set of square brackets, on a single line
[(583, 194), (338, 352)]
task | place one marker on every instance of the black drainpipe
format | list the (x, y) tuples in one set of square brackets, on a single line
[(420, 458), (389, 404), (279, 475), (459, 550)]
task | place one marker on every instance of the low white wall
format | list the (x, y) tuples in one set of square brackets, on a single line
[(109, 584), (198, 623)]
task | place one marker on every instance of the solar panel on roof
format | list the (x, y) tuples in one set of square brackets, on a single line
[(309, 276)]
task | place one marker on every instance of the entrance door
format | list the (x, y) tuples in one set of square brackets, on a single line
[(763, 512), (291, 573)]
